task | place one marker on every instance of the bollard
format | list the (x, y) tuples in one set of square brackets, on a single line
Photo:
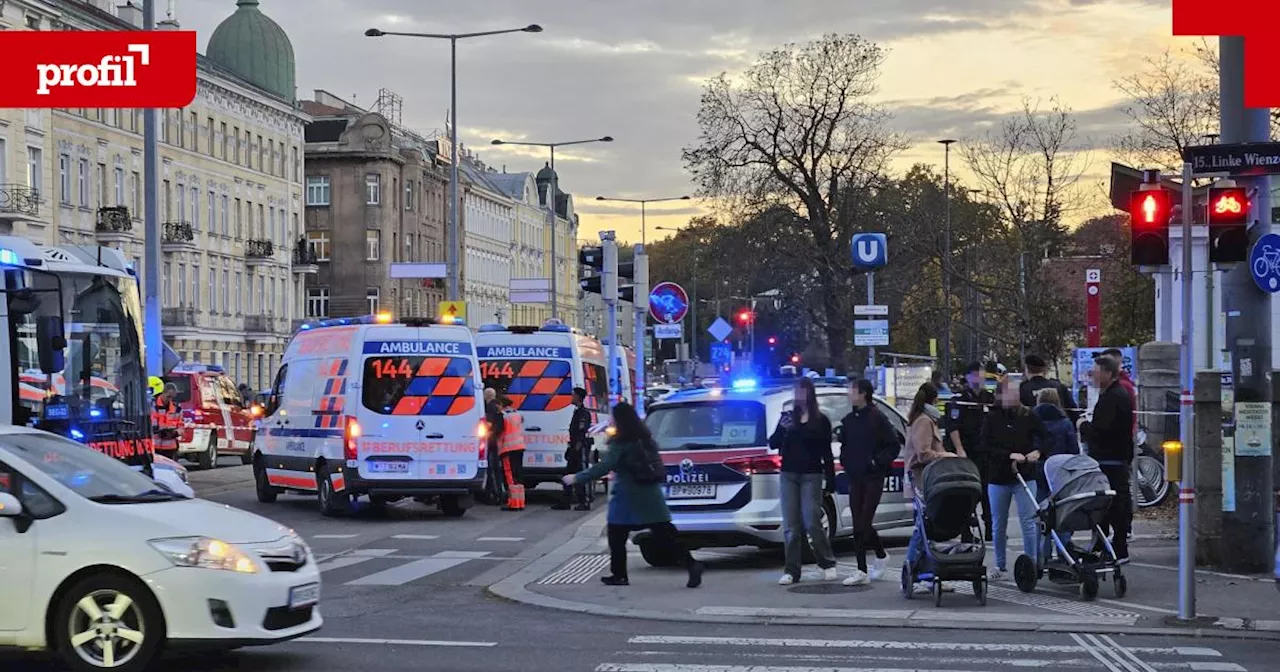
[(1172, 461)]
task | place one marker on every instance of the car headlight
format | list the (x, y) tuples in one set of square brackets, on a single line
[(205, 552)]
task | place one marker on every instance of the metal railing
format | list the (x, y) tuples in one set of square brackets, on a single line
[(113, 219), (259, 249), (303, 255), (263, 324), (178, 232), (184, 316), (19, 198)]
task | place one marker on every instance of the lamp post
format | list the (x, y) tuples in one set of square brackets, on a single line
[(643, 202), (455, 242), (946, 264), (552, 190)]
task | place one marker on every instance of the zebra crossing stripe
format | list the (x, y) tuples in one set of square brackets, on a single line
[(354, 558), (417, 569), (1182, 651)]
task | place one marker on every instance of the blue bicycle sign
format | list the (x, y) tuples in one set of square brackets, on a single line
[(1264, 262)]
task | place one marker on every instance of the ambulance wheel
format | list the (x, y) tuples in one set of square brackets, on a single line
[(1121, 585), (209, 458), (266, 493), (1025, 574), (452, 507), (331, 503), (1088, 585)]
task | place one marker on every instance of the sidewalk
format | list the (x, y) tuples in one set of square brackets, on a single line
[(740, 586)]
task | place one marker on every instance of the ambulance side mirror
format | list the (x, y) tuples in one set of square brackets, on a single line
[(51, 343)]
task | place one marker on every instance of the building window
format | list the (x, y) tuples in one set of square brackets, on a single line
[(164, 125), (235, 139), (226, 226), (213, 220), (222, 127), (318, 244), (195, 208), (262, 155), (262, 221), (371, 297), (195, 287), (182, 202), (239, 292), (295, 163), (101, 184), (35, 166), (182, 285), (226, 291), (317, 190), (4, 161), (165, 288), (408, 195), (239, 220), (195, 132), (64, 178), (209, 142), (168, 202), (372, 189), (373, 245), (248, 149), (213, 290), (119, 186), (317, 302), (271, 156), (135, 194)]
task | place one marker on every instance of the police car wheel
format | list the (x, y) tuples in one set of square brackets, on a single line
[(266, 493)]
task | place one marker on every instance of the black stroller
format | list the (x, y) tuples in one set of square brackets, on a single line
[(946, 520), (1079, 498)]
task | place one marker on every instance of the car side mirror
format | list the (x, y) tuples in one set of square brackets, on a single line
[(51, 342), (10, 507)]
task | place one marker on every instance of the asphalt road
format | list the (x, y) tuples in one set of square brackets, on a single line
[(407, 592)]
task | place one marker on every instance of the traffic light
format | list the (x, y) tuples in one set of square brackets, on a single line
[(591, 261), (627, 270), (795, 359), (1149, 231), (1228, 224), (773, 340), (744, 317)]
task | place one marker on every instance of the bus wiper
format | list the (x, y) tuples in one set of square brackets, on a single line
[(145, 496)]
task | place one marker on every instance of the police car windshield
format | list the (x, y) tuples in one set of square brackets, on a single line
[(705, 425)]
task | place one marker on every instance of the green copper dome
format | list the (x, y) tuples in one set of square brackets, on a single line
[(251, 45)]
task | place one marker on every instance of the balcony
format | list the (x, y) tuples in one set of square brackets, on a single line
[(258, 252), (263, 327), (177, 237), (304, 259), (19, 203), (113, 226), (179, 317)]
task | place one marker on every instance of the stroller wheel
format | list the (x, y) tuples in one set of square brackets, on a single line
[(1121, 585), (1088, 585), (937, 593), (1025, 573), (908, 580), (980, 591)]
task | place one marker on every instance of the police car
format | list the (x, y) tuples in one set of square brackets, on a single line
[(723, 480), (361, 406)]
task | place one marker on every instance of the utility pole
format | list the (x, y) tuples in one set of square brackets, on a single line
[(1187, 491), (609, 293), (946, 265), (1249, 530), (152, 329), (640, 303)]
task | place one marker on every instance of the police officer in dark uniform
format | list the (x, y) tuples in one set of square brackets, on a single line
[(965, 415), (577, 453)]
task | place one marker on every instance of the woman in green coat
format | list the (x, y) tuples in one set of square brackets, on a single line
[(632, 505)]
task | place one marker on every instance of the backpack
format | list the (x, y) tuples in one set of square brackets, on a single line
[(644, 464)]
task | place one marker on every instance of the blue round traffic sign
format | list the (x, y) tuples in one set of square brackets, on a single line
[(668, 303), (1264, 263)]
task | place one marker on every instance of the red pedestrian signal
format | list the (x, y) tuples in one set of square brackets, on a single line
[(1149, 232), (1228, 224), (744, 317), (795, 359), (773, 340)]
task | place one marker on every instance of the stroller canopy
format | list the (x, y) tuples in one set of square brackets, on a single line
[(1078, 490), (1062, 472)]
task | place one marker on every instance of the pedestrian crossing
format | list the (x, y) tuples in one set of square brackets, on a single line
[(675, 653), (389, 567)]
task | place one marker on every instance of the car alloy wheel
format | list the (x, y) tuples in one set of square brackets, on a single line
[(107, 628)]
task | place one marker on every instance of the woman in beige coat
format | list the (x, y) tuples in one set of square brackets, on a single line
[(924, 445)]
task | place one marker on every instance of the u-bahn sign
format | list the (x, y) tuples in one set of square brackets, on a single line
[(668, 303), (1241, 160)]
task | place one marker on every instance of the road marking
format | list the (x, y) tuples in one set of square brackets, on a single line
[(1102, 654), (402, 642), (985, 663), (1123, 652), (423, 537), (1185, 651), (1224, 575), (334, 536), (412, 571), (1109, 617), (500, 539), (578, 569), (356, 557)]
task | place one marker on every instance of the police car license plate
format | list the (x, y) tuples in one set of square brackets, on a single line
[(388, 467), (893, 484), (692, 491), (304, 595)]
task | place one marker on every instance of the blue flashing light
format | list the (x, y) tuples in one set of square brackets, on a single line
[(95, 412), (745, 384), (9, 258), (560, 328), (77, 435), (491, 328)]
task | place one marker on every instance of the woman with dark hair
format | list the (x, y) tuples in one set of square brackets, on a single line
[(633, 504), (924, 445), (803, 439), (1012, 435)]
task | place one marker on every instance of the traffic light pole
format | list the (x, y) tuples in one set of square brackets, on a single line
[(1187, 489), (640, 303), (609, 289)]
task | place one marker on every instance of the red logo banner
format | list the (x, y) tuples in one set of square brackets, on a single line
[(1255, 21)]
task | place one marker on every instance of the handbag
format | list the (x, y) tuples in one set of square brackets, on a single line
[(645, 465)]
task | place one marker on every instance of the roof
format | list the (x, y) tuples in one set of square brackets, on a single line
[(325, 130), (511, 184), (256, 48)]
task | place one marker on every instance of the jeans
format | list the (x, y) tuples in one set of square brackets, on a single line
[(1000, 496), (802, 513), (662, 534), (864, 499)]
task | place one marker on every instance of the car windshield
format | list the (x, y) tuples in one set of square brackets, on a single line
[(708, 425), (86, 472), (183, 385)]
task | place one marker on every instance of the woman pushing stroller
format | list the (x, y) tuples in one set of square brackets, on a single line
[(1012, 436)]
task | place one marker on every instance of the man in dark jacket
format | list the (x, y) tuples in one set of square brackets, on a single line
[(495, 492), (965, 414), (1109, 437), (1125, 381), (868, 447), (576, 454), (1038, 379)]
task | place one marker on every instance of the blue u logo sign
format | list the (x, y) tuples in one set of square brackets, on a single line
[(870, 250)]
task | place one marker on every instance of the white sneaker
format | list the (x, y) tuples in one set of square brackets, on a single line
[(830, 574), (877, 567), (922, 587), (858, 578), (786, 580), (995, 574)]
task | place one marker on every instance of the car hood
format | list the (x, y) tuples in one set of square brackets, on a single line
[(202, 518)]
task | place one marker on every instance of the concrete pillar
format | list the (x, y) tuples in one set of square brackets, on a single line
[(1158, 379), (1209, 461)]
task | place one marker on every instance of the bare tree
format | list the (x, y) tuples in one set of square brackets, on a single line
[(1173, 105), (799, 130)]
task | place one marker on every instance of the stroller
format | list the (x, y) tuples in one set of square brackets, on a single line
[(1079, 499), (947, 522)]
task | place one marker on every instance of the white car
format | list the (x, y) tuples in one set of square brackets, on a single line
[(172, 475), (104, 567)]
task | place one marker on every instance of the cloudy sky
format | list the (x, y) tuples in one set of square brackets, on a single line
[(634, 69)]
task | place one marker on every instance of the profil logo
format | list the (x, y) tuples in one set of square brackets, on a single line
[(1255, 21), (97, 68)]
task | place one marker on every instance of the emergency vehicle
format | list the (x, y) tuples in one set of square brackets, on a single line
[(724, 481), (215, 417), (362, 406), (537, 368)]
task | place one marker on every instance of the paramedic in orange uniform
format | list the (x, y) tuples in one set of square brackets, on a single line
[(511, 449), (165, 420)]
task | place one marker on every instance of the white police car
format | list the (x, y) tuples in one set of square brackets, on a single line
[(723, 480)]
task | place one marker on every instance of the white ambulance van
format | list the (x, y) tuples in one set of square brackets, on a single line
[(537, 368), (361, 406)]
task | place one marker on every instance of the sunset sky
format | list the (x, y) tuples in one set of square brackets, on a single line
[(634, 69)]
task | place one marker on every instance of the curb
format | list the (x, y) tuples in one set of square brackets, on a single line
[(514, 588)]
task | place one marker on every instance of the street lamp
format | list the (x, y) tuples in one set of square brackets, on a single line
[(551, 203), (455, 243), (946, 264), (643, 202)]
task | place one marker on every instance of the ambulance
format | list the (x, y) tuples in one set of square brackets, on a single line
[(537, 368), (365, 407)]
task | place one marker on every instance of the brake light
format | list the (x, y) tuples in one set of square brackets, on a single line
[(351, 432), (760, 464), (482, 430)]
